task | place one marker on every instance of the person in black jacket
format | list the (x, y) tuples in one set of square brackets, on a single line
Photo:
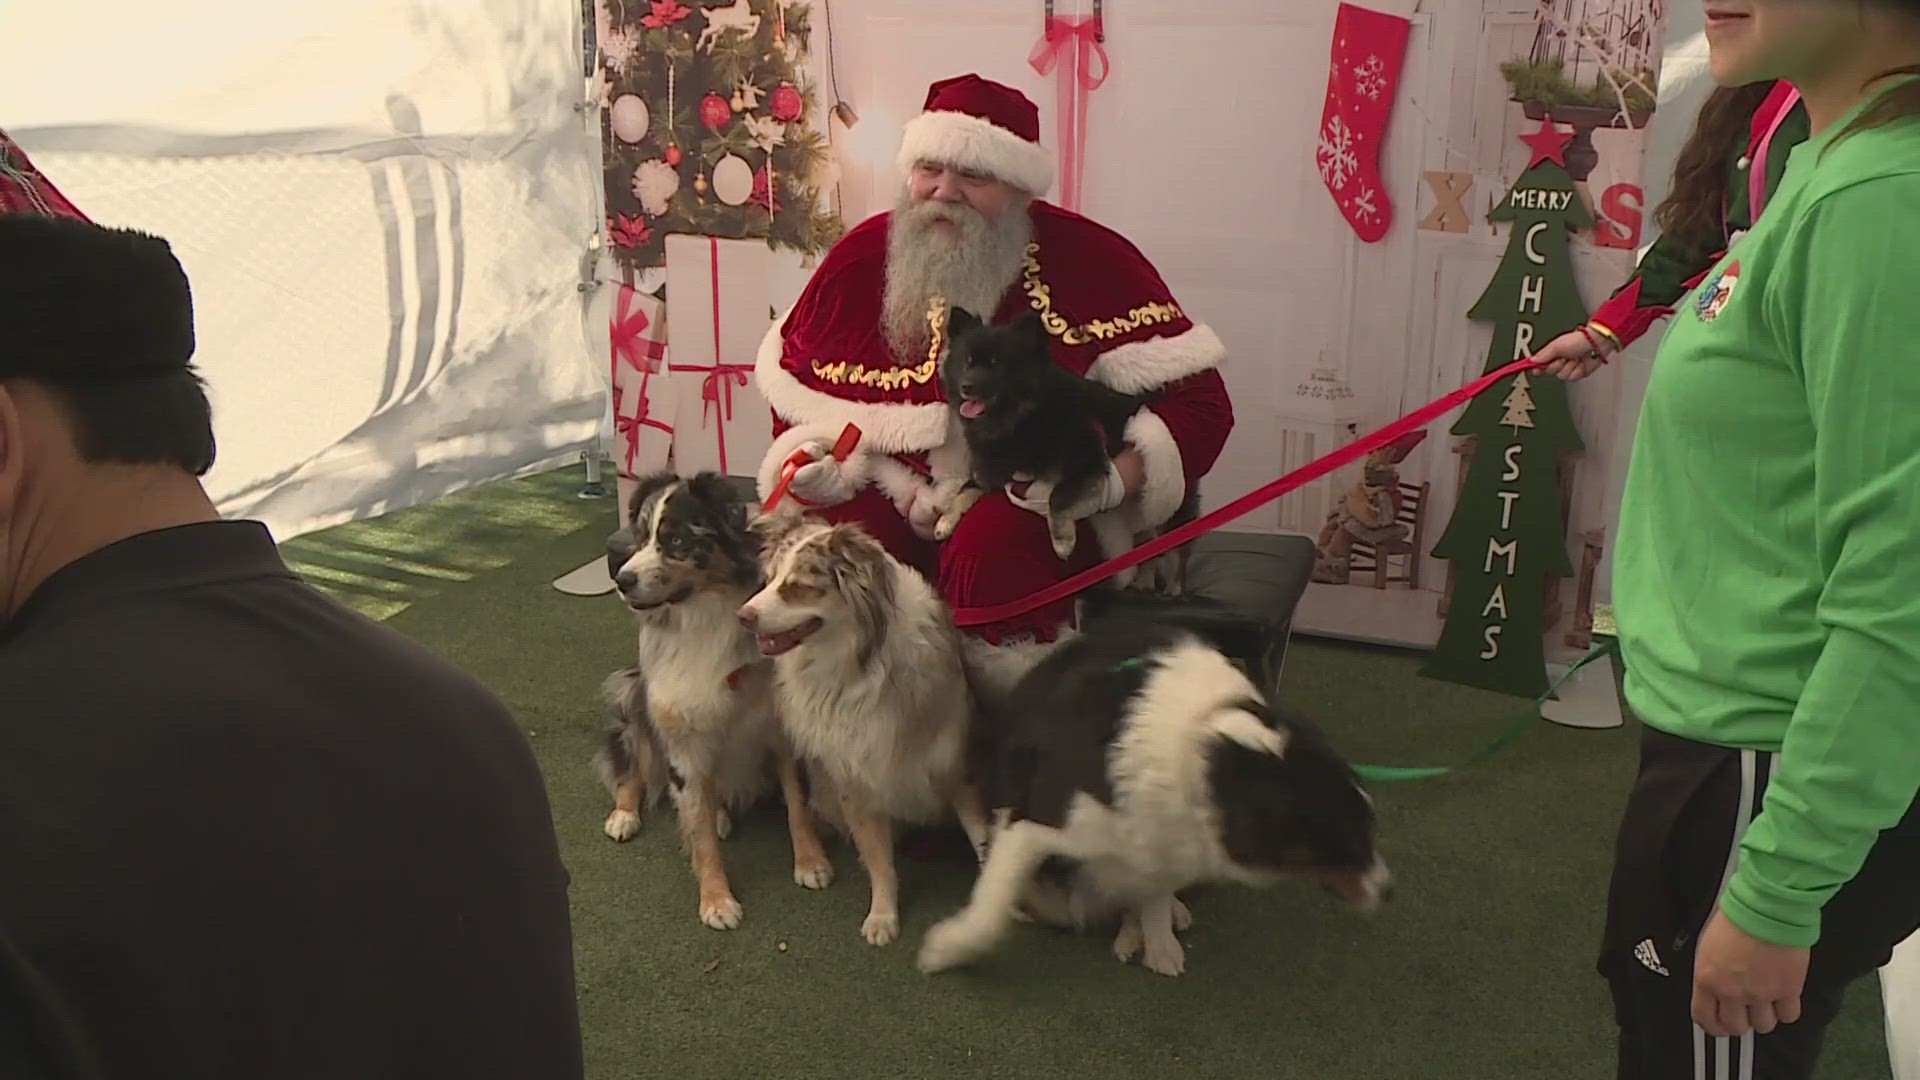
[(245, 831)]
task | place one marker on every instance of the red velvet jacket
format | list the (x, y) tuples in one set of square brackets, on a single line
[(1112, 319), (23, 190)]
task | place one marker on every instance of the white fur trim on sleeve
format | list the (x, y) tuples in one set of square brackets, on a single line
[(885, 427), (968, 142), (1140, 366), (896, 481), (1165, 485), (856, 468)]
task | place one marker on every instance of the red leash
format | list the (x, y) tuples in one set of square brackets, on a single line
[(842, 449), (1252, 500)]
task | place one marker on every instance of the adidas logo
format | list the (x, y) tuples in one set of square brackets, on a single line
[(1649, 957)]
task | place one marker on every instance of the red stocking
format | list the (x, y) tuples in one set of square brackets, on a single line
[(1369, 49)]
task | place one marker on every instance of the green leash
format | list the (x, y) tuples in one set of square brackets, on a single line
[(1520, 726)]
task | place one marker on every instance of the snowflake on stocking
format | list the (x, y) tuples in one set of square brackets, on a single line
[(1338, 157), (1370, 78), (1363, 207)]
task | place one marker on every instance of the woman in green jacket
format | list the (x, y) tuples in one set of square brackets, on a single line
[(1767, 596)]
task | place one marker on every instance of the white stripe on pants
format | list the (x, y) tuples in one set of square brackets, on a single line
[(1900, 986), (1718, 1057)]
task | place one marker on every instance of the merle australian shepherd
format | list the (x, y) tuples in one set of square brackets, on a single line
[(871, 690), (1024, 417), (1138, 759), (695, 715)]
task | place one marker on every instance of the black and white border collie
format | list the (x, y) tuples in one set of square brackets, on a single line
[(1141, 758), (700, 691)]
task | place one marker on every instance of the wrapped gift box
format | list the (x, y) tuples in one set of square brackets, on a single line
[(642, 405), (720, 300)]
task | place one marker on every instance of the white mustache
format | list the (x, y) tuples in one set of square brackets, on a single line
[(929, 212)]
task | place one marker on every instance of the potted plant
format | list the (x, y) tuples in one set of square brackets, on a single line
[(1545, 91)]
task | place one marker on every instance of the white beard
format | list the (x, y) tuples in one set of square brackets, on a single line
[(972, 265)]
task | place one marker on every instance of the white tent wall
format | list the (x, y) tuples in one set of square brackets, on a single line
[(383, 206)]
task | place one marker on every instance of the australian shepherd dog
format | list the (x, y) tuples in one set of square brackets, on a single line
[(869, 685), (1023, 417), (1138, 759), (697, 709)]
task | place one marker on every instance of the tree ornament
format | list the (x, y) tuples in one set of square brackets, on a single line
[(700, 186), (715, 111), (739, 103), (629, 118), (654, 183), (673, 156), (732, 180), (766, 194), (787, 104)]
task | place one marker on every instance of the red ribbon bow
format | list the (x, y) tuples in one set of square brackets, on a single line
[(1077, 42), (627, 333), (716, 397), (629, 426)]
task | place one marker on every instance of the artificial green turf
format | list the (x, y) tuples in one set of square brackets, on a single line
[(1482, 967)]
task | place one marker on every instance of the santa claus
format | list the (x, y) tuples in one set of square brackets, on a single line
[(863, 342)]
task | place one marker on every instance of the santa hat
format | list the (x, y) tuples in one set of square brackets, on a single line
[(982, 126)]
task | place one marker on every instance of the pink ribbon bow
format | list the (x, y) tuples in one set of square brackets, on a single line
[(1070, 45)]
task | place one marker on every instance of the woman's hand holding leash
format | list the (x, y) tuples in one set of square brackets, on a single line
[(1578, 353)]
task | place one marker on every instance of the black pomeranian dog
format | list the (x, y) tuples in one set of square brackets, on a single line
[(1025, 417)]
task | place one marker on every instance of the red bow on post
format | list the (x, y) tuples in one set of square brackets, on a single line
[(1071, 46)]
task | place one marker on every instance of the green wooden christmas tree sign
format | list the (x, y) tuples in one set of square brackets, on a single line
[(1507, 535)]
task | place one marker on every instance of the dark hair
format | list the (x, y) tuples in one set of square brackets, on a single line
[(1694, 210), (102, 319), (1896, 104)]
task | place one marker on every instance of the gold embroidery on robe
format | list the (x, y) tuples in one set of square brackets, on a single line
[(1040, 297), (893, 378)]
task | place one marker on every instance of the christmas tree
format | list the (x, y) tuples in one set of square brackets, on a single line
[(1519, 405), (1507, 535), (711, 126)]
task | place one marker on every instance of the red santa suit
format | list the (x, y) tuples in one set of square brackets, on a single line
[(1110, 316)]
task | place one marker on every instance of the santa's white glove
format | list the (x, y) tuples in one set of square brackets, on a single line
[(920, 508), (1037, 496), (821, 482)]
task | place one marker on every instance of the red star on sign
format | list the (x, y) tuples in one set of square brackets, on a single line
[(1549, 144)]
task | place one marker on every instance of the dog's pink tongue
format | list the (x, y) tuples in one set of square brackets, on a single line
[(971, 408)]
